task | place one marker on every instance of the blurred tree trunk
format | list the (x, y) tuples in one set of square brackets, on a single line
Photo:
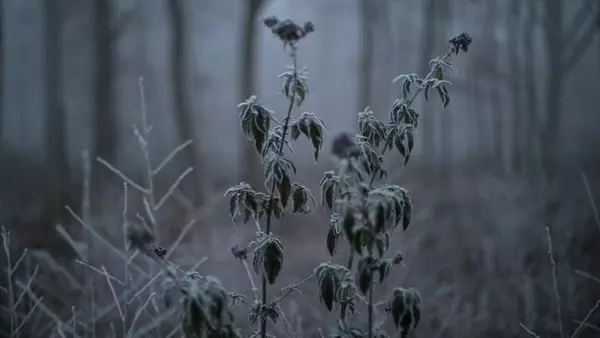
[(57, 160), (106, 136), (249, 162), (564, 48), (443, 116), (428, 32), (1, 77), (383, 61), (179, 71), (550, 138), (491, 22), (478, 152), (514, 29), (531, 146), (367, 11)]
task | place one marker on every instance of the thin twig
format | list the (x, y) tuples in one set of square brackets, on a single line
[(38, 300), (173, 187), (591, 199), (171, 155), (113, 293), (251, 279), (588, 325), (105, 241), (122, 176), (528, 330), (291, 288), (126, 263), (432, 72), (588, 276), (585, 320), (200, 214), (555, 282), (9, 277), (138, 313)]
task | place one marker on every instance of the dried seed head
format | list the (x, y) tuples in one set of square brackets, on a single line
[(344, 146), (398, 258), (159, 250), (309, 27), (461, 42), (270, 21), (138, 235), (239, 253), (287, 30)]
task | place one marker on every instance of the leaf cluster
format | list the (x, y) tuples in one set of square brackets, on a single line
[(270, 138), (204, 306), (366, 213)]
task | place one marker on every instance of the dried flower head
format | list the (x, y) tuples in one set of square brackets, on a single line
[(287, 30), (138, 235), (344, 146), (159, 250), (239, 253), (398, 258), (461, 42)]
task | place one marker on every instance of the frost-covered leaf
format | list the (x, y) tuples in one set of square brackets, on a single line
[(295, 85), (311, 126)]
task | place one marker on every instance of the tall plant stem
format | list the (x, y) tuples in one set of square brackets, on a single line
[(431, 73), (286, 125)]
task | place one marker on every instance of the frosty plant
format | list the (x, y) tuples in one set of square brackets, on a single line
[(271, 137), (366, 212)]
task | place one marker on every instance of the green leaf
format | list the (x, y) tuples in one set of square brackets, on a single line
[(439, 73), (284, 187), (407, 211), (272, 260), (348, 225), (327, 289), (364, 279), (257, 260), (444, 96), (295, 131), (383, 269), (427, 90), (299, 200), (331, 240), (233, 207), (379, 218), (316, 137), (398, 305), (406, 89), (329, 196), (294, 85)]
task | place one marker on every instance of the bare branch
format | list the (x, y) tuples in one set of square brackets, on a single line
[(585, 320), (171, 155), (122, 176), (173, 187), (579, 47)]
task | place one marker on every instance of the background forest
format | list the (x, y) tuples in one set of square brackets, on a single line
[(516, 151)]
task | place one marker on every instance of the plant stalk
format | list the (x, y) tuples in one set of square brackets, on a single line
[(286, 125)]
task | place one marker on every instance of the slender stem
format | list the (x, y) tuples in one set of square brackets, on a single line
[(372, 179), (431, 73), (9, 277), (349, 266), (286, 125), (126, 263), (249, 274), (370, 307), (555, 283)]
